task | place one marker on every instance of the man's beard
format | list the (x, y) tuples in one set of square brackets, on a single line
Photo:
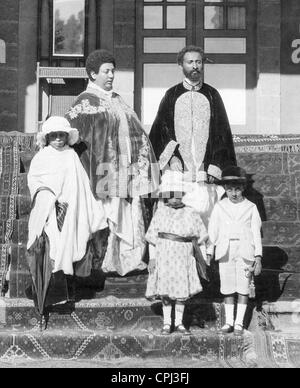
[(194, 75)]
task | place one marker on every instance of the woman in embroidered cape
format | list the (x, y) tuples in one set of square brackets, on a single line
[(120, 162)]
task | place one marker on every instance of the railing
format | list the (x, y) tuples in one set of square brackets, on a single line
[(56, 75)]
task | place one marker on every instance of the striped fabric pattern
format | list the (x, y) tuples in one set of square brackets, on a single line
[(61, 210)]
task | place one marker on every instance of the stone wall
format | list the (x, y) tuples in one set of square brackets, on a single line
[(124, 48), (268, 67), (9, 33), (275, 187)]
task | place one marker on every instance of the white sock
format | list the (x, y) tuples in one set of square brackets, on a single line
[(241, 309), (179, 309), (229, 311), (167, 310)]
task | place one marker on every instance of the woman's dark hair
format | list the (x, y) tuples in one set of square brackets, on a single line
[(96, 59)]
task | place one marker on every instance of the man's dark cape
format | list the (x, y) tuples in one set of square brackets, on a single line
[(220, 149)]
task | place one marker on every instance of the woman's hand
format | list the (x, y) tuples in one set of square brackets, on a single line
[(175, 164), (208, 259), (211, 179), (151, 266)]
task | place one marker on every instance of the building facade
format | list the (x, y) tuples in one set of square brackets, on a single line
[(252, 49)]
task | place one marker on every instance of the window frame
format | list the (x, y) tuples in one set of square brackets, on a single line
[(195, 33)]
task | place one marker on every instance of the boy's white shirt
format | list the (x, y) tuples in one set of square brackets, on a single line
[(62, 172), (241, 221)]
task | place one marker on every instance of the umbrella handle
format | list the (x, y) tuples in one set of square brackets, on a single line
[(41, 322), (44, 318)]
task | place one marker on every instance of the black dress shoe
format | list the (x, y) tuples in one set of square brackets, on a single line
[(226, 329), (238, 330), (166, 330)]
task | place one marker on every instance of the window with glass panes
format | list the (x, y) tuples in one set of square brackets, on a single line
[(226, 31)]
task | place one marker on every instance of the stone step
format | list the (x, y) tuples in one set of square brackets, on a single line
[(269, 286), (129, 286), (101, 345), (107, 313), (282, 316), (12, 360), (274, 257)]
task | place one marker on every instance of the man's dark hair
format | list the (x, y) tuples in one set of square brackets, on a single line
[(189, 49), (96, 59)]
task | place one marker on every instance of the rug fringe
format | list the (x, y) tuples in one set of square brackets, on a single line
[(25, 141)]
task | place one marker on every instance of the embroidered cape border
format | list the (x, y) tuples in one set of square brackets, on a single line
[(267, 143)]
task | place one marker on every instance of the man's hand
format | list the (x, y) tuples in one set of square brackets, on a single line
[(151, 266), (211, 179), (208, 259), (256, 268), (175, 164)]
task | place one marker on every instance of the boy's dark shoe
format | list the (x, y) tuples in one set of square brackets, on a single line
[(166, 330), (226, 329), (182, 330), (238, 330)]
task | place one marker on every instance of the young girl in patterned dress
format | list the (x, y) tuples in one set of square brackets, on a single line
[(174, 231)]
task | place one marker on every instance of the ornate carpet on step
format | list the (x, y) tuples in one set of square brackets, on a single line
[(110, 329), (275, 349), (203, 344), (105, 313), (174, 363)]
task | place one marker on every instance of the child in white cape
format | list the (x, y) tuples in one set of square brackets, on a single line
[(63, 206)]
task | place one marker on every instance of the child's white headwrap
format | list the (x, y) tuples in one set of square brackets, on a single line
[(57, 124), (173, 181)]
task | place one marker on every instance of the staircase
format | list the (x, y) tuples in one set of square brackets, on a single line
[(109, 328), (118, 322)]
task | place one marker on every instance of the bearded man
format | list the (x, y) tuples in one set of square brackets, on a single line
[(191, 132)]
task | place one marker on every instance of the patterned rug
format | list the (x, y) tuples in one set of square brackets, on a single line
[(101, 345), (106, 313), (16, 151), (278, 349), (110, 365)]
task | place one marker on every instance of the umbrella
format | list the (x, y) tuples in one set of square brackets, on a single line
[(41, 270)]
